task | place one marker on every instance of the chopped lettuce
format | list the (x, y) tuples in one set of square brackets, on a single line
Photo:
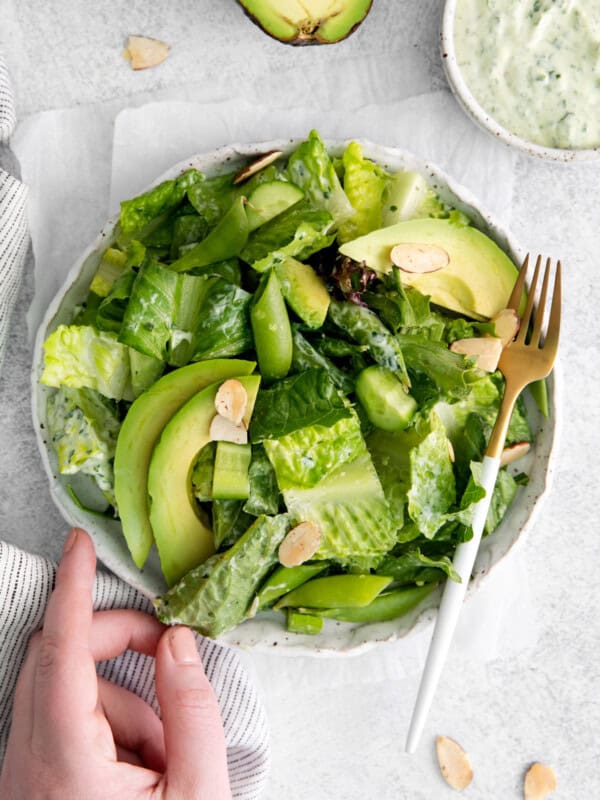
[(83, 427), (79, 356), (264, 492), (311, 168), (140, 211), (216, 596), (309, 398), (298, 232), (364, 184), (307, 455), (350, 508), (432, 484)]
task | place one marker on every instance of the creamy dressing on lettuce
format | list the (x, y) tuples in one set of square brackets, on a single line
[(534, 66)]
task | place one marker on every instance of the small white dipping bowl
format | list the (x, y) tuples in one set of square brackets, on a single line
[(267, 632), (473, 108)]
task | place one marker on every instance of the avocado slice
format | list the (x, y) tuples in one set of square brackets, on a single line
[(477, 281), (301, 22), (304, 291), (139, 432), (183, 539)]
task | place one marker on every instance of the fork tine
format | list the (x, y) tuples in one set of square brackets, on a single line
[(514, 300), (536, 333), (525, 319), (552, 335)]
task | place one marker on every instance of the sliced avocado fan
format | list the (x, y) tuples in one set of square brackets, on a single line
[(307, 21)]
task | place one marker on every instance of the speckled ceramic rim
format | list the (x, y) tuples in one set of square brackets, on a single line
[(266, 633), (480, 116)]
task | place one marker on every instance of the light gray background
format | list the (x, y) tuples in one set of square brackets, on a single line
[(348, 742)]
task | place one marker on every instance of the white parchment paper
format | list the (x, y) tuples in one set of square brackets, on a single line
[(79, 167)]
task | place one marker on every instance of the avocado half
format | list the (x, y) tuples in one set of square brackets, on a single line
[(307, 21)]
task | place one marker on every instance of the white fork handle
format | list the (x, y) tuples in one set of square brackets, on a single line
[(452, 600)]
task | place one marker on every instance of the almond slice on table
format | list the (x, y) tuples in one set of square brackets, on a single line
[(231, 400), (300, 544), (513, 452), (419, 258), (454, 763), (485, 349), (540, 781), (506, 323), (224, 430), (143, 52), (260, 163)]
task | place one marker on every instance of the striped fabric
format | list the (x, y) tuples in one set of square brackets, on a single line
[(26, 580), (25, 584), (13, 224)]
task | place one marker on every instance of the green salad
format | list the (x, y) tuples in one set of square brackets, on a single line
[(284, 378)]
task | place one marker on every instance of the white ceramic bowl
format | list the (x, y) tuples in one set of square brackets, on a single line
[(473, 108), (267, 632)]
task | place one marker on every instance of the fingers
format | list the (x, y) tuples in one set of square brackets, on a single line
[(194, 739), (113, 632), (135, 727), (65, 691)]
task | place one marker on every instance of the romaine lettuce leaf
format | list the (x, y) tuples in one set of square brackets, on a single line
[(229, 522), (309, 398), (309, 454), (364, 326), (311, 168), (298, 232), (212, 197), (138, 212), (264, 492), (79, 356), (432, 485), (83, 427), (215, 596), (364, 184), (305, 356), (224, 327), (350, 508), (413, 566)]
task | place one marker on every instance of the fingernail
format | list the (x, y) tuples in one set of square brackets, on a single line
[(70, 540), (183, 645)]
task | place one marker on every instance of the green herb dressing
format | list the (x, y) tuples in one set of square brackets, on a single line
[(534, 66)]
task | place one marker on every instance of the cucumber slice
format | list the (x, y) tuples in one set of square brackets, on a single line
[(269, 200), (383, 397), (230, 475)]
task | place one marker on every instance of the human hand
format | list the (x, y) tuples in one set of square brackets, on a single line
[(75, 736)]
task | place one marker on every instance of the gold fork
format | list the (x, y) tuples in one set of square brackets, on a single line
[(529, 357)]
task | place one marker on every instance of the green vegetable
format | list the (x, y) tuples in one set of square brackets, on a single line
[(225, 241), (82, 357), (365, 327), (311, 168), (230, 472), (83, 427), (215, 602), (284, 579), (271, 329), (303, 623), (364, 184), (387, 606), (224, 327), (139, 212), (335, 590), (264, 493), (387, 405)]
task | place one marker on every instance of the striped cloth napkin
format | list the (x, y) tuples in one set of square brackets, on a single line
[(26, 580)]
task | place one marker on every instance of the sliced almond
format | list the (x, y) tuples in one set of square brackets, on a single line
[(256, 166), (143, 51), (419, 258), (454, 763), (513, 452), (224, 430), (231, 400), (486, 350), (300, 544), (506, 325), (540, 781), (451, 451)]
